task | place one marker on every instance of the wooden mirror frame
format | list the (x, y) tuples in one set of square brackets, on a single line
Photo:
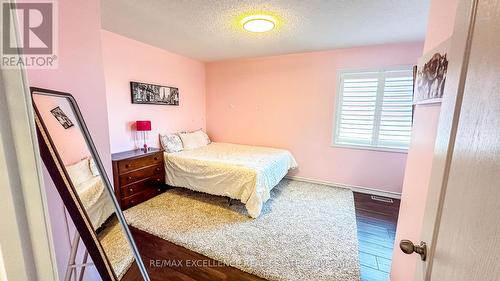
[(67, 191)]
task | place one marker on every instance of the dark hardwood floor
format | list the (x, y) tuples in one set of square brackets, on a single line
[(376, 232), (376, 223)]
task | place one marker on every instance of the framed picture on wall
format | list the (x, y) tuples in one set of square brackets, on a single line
[(143, 93), (431, 74), (62, 117)]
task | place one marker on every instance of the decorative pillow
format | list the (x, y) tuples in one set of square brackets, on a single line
[(171, 143), (93, 167), (193, 140), (79, 172), (203, 135)]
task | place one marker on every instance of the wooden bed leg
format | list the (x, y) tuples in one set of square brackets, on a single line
[(229, 201)]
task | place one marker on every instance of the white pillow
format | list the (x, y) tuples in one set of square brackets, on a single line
[(171, 143), (205, 136), (79, 172), (194, 140)]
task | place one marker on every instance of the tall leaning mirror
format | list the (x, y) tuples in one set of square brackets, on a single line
[(74, 165)]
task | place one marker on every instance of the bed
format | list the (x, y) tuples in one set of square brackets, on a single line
[(99, 207), (95, 200), (91, 190), (241, 172)]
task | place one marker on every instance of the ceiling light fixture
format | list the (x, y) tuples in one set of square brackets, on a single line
[(258, 23)]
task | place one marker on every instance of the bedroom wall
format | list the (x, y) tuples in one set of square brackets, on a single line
[(80, 73), (420, 155), (288, 101), (128, 60)]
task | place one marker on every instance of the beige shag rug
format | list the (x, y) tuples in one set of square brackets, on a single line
[(305, 232), (116, 247)]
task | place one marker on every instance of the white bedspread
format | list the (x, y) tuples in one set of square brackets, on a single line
[(95, 200), (246, 173)]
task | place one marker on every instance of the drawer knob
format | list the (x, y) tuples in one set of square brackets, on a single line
[(158, 180), (156, 158), (127, 165), (159, 189), (131, 189), (129, 178), (132, 201), (158, 169)]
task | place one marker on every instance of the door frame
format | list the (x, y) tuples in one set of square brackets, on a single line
[(26, 246)]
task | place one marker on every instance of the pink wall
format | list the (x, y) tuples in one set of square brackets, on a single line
[(441, 22), (288, 101), (420, 155), (128, 60), (80, 73)]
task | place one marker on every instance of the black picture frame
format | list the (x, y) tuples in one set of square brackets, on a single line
[(62, 117), (144, 93)]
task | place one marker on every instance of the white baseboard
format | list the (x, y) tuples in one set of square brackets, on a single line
[(360, 189)]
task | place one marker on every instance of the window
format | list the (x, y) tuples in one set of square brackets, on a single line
[(374, 109)]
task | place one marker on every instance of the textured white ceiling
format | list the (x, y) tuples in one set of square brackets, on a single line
[(208, 29)]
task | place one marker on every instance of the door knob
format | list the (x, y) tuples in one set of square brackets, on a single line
[(409, 248)]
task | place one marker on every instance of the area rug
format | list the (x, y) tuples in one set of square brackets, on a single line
[(305, 232), (116, 247)]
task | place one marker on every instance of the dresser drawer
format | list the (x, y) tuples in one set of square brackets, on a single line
[(149, 183), (128, 165), (137, 175), (137, 198)]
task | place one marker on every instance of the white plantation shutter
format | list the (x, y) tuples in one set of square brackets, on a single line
[(396, 113), (374, 109)]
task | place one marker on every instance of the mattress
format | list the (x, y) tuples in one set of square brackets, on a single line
[(95, 200), (242, 172)]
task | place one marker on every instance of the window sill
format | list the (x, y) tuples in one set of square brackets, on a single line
[(372, 148)]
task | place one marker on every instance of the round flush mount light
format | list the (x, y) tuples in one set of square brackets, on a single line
[(258, 23)]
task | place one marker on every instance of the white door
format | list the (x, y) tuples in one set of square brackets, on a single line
[(462, 222)]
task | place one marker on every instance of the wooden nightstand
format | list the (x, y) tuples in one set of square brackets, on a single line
[(138, 176)]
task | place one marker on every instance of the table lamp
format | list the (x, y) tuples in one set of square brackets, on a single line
[(144, 127)]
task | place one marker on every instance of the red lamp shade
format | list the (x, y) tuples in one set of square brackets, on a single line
[(143, 125)]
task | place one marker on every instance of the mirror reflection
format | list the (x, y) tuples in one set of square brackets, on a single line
[(67, 136)]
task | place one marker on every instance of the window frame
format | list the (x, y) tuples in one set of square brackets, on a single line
[(338, 102)]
